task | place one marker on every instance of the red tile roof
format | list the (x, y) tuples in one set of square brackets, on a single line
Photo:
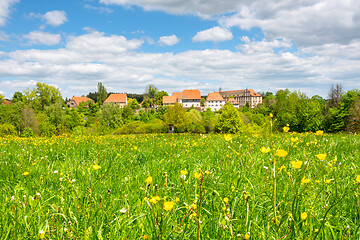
[(215, 96), (117, 98), (178, 95), (253, 93), (191, 94), (169, 99), (78, 100)]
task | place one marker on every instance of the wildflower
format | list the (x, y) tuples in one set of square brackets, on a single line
[(305, 180), (193, 206), (168, 205), (281, 168), (56, 171), (317, 181), (207, 172), (294, 139), (149, 180), (226, 200), (155, 199), (265, 150), (177, 199), (145, 237), (123, 210), (328, 181), (303, 216), (25, 173), (281, 153), (296, 164), (96, 167), (358, 178), (197, 175), (271, 115), (227, 137), (42, 234), (183, 172), (286, 129), (319, 133), (247, 236), (321, 156)]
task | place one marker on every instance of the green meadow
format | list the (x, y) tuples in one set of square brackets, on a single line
[(181, 186)]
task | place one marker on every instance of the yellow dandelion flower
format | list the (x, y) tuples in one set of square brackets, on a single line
[(227, 137), (183, 172), (193, 206), (197, 175), (96, 167), (328, 181), (265, 149), (294, 139), (226, 200), (317, 181), (358, 178), (149, 180), (271, 115), (303, 216), (26, 173), (321, 156), (168, 205), (319, 133), (42, 234), (281, 153), (247, 236), (281, 168), (296, 164), (305, 180), (177, 199), (286, 129)]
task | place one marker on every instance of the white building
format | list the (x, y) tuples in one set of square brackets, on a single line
[(214, 101)]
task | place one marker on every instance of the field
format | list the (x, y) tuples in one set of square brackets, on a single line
[(180, 186)]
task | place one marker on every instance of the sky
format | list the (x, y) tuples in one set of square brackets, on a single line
[(265, 45)]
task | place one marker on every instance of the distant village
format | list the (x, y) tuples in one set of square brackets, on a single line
[(189, 99)]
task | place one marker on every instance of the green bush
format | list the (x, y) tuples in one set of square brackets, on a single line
[(7, 129), (27, 132)]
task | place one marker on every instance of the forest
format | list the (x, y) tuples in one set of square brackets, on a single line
[(42, 111)]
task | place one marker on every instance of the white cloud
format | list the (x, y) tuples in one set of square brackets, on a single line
[(169, 40), (306, 22), (37, 37), (99, 9), (55, 18), (216, 34), (5, 6), (198, 7), (93, 57)]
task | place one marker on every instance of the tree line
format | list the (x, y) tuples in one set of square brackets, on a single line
[(42, 111)]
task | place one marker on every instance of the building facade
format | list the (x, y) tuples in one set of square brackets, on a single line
[(243, 97)]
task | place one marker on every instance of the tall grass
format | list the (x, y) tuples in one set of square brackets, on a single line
[(231, 190)]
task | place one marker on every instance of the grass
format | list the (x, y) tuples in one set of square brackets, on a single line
[(51, 184)]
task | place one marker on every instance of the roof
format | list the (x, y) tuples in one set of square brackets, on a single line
[(191, 94), (5, 102), (233, 101), (117, 98), (215, 96), (78, 100), (178, 95), (169, 99), (239, 93)]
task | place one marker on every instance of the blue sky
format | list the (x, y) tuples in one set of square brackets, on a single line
[(179, 44)]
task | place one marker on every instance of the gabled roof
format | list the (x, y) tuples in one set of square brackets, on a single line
[(191, 94), (169, 99), (253, 93), (177, 95), (117, 98), (239, 93), (215, 96), (78, 100), (233, 101)]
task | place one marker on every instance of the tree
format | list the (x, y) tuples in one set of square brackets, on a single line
[(202, 102), (42, 95), (176, 116), (229, 120), (151, 91), (335, 95), (1, 98), (110, 116), (93, 96), (101, 94), (159, 97)]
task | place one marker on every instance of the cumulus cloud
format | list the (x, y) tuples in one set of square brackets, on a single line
[(4, 36), (199, 7), (37, 37), (264, 46), (216, 34), (306, 22), (55, 18), (5, 6), (169, 40)]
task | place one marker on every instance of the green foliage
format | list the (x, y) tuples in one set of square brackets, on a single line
[(209, 120), (42, 95), (229, 120), (110, 117), (27, 132), (18, 97), (139, 127), (159, 97), (7, 129), (101, 94), (176, 116)]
